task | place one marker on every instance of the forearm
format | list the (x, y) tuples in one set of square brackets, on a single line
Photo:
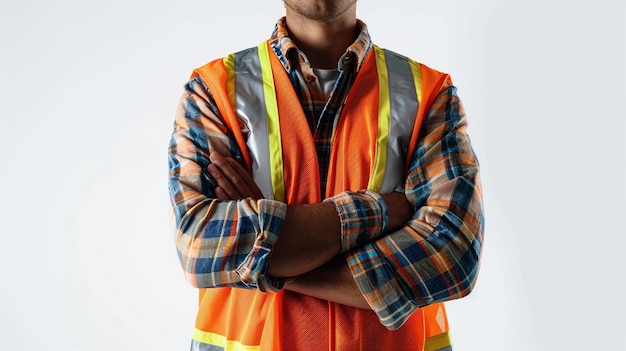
[(309, 233), (219, 243), (310, 237), (224, 243), (313, 234), (333, 282), (224, 232), (435, 257), (228, 242)]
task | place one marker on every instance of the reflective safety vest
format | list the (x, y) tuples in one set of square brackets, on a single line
[(372, 143)]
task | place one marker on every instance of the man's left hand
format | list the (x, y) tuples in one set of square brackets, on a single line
[(233, 181)]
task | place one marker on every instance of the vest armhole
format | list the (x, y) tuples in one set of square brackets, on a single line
[(215, 75), (432, 83)]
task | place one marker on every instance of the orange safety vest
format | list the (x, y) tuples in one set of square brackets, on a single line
[(373, 140)]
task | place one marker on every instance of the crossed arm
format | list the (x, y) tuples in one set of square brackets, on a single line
[(432, 258), (309, 243)]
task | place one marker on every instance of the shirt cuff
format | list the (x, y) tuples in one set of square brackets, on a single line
[(363, 216), (252, 271), (380, 288)]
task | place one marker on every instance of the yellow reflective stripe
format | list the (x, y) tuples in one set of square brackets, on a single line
[(273, 125), (384, 116), (229, 64), (417, 78), (438, 342), (220, 341)]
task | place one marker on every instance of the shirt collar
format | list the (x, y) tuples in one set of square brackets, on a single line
[(286, 49)]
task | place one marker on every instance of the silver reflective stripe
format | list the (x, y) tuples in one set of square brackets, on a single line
[(200, 346), (447, 348), (403, 106), (250, 107)]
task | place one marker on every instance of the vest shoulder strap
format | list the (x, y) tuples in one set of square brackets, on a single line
[(218, 75)]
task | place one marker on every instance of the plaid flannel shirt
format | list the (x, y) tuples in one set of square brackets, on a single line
[(434, 258)]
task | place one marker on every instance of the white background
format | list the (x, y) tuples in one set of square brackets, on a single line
[(88, 91)]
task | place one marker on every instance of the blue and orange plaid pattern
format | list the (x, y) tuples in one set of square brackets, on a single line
[(433, 259)]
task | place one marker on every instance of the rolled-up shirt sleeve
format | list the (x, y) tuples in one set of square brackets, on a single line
[(435, 257), (362, 217), (220, 243)]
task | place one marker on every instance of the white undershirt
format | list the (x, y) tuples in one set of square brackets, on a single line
[(326, 79)]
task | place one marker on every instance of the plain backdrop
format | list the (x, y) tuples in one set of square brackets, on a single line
[(88, 91)]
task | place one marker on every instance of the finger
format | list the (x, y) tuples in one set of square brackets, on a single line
[(237, 177), (245, 177), (227, 189), (221, 194)]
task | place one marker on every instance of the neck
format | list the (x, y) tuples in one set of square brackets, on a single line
[(323, 42)]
